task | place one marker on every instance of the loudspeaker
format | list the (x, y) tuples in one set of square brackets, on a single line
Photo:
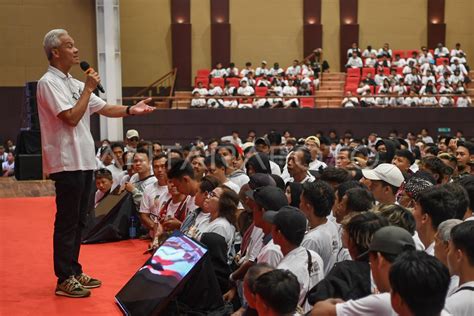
[(28, 167), (31, 106)]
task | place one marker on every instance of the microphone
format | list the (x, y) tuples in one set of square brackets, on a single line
[(87, 68)]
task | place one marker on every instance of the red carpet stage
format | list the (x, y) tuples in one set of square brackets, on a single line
[(27, 280)]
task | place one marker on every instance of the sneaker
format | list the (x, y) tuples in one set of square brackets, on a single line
[(87, 282), (71, 288)]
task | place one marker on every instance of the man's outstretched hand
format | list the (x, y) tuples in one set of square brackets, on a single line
[(142, 107)]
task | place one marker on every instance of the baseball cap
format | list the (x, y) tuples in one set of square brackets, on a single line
[(313, 139), (258, 180), (132, 133), (269, 197), (262, 140), (264, 62), (385, 172), (290, 221), (391, 240), (247, 145), (415, 186)]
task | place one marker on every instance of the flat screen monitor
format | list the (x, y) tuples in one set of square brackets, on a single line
[(152, 287)]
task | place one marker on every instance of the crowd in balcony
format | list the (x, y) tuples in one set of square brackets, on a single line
[(276, 87), (424, 77)]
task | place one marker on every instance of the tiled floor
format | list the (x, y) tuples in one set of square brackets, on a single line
[(10, 187)]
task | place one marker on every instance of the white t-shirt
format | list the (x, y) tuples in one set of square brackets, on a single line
[(220, 226), (275, 169), (316, 164), (324, 240), (239, 179), (271, 254), (152, 197), (117, 174), (232, 186), (255, 244), (453, 285), (296, 261), (461, 303), (8, 167), (372, 305), (65, 148)]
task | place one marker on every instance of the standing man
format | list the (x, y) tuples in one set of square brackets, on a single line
[(64, 106)]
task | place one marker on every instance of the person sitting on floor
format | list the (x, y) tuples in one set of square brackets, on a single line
[(103, 182)]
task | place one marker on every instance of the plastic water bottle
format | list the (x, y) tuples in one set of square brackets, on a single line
[(132, 231)]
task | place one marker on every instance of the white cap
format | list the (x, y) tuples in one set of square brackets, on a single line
[(264, 62), (385, 172), (132, 133)]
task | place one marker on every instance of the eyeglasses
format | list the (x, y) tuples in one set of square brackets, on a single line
[(212, 194)]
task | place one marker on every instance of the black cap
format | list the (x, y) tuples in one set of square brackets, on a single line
[(263, 141), (290, 221), (269, 197), (391, 240), (261, 180)]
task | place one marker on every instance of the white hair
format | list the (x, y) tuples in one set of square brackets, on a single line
[(444, 229), (51, 40)]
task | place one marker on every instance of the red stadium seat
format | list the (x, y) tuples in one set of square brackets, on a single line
[(261, 91), (365, 71), (234, 82), (351, 88), (203, 73), (409, 52), (399, 52), (353, 72), (386, 71), (307, 103), (400, 71), (204, 80), (440, 61), (372, 89), (218, 82), (352, 81)]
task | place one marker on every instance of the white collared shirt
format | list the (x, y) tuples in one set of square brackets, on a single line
[(309, 178), (430, 249), (65, 148), (418, 244)]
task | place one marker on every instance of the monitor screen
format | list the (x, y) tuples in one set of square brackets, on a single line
[(156, 282)]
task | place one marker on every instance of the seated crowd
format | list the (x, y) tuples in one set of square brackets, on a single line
[(406, 78), (320, 224), (279, 86), (7, 159)]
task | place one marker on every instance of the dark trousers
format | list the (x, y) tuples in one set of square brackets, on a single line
[(73, 189)]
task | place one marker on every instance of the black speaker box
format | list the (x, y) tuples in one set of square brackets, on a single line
[(28, 167)]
